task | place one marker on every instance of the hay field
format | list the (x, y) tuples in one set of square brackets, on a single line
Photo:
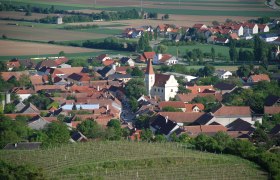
[(16, 48), (45, 34)]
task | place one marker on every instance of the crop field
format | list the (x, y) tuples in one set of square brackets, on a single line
[(130, 160), (45, 34), (16, 48), (21, 15)]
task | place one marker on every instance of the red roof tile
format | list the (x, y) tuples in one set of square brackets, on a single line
[(259, 77), (182, 117), (190, 107), (271, 109), (232, 111)]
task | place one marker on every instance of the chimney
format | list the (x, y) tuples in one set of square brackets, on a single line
[(114, 67), (98, 88), (198, 89), (166, 119), (107, 107), (16, 145), (8, 98)]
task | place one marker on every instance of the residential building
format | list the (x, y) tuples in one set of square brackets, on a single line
[(222, 74), (167, 59)]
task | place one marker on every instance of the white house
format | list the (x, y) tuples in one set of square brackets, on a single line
[(222, 74), (238, 29), (250, 28), (164, 86), (263, 28), (164, 59)]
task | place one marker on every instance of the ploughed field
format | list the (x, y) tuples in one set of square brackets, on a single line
[(132, 160)]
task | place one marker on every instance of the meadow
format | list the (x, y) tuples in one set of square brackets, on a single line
[(132, 160)]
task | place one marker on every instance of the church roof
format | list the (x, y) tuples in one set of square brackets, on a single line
[(161, 79), (149, 69)]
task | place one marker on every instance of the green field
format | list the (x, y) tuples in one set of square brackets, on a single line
[(130, 160), (223, 50)]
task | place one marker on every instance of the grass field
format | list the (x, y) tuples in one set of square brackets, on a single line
[(223, 50), (129, 160)]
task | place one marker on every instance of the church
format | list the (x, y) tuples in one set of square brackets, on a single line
[(164, 86)]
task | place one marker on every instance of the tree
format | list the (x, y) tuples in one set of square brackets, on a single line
[(166, 16), (4, 36), (131, 87), (243, 71), (207, 70), (91, 129), (61, 53), (142, 122), (215, 23), (160, 138), (147, 135), (137, 72), (114, 131), (133, 104), (24, 81), (259, 50), (155, 35), (3, 67), (57, 133), (232, 51), (213, 54), (9, 108), (171, 109), (161, 49)]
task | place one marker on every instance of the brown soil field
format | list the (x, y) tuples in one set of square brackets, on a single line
[(179, 20), (15, 48), (21, 15), (45, 34)]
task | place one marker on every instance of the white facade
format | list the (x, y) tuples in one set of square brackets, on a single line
[(253, 30), (239, 31), (223, 120), (158, 59), (22, 97), (149, 82)]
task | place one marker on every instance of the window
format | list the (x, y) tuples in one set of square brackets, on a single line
[(171, 90), (155, 89), (158, 89), (162, 90)]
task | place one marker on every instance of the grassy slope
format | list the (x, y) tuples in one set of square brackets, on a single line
[(128, 160)]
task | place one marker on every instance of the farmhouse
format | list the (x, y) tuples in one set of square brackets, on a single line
[(164, 59)]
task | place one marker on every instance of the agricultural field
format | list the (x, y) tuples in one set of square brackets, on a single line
[(131, 160), (21, 15), (16, 48)]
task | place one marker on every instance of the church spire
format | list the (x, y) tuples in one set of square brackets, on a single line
[(149, 69)]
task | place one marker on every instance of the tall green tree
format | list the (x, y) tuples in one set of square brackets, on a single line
[(213, 54), (259, 50), (57, 133), (232, 51), (135, 88)]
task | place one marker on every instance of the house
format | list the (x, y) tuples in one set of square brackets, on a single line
[(174, 104), (28, 64), (195, 89), (209, 130), (194, 107), (135, 135), (163, 125), (270, 110), (23, 93), (182, 118), (263, 28), (38, 123), (275, 130), (77, 136), (23, 146), (106, 71), (258, 78), (78, 78), (211, 39), (36, 80), (167, 59), (122, 69), (199, 26), (127, 61), (222, 74), (120, 77), (234, 36), (165, 86), (102, 57), (71, 107), (276, 42), (225, 115), (238, 29), (59, 20), (28, 109), (146, 56), (268, 37), (250, 28), (108, 62), (224, 87), (14, 63), (221, 40), (240, 125), (47, 63)]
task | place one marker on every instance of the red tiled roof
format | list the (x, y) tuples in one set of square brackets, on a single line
[(196, 89), (262, 26), (260, 77), (67, 71), (36, 79), (108, 62), (186, 97), (233, 111), (61, 60), (198, 26), (271, 109), (7, 75), (175, 104), (182, 117), (234, 36), (12, 64), (195, 130), (13, 116), (149, 55)]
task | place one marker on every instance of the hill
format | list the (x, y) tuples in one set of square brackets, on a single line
[(130, 160)]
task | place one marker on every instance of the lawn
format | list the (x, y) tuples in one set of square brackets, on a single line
[(131, 160), (223, 50)]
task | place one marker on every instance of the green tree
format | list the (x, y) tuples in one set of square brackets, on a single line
[(24, 81), (134, 84), (9, 108), (57, 133), (160, 138), (259, 50), (213, 54), (133, 104), (137, 72), (91, 129), (116, 133), (155, 35), (161, 49), (243, 71), (61, 53), (142, 122), (171, 109), (232, 51), (147, 135)]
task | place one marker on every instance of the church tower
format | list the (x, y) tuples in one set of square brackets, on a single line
[(149, 77)]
